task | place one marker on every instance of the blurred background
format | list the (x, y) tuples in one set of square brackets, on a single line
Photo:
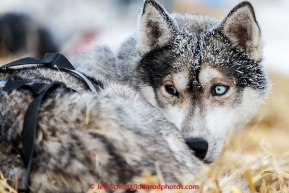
[(75, 25), (33, 27)]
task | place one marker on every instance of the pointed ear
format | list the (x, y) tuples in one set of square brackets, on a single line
[(241, 28), (156, 28)]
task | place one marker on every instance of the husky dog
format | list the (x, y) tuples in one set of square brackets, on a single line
[(203, 74), (83, 138)]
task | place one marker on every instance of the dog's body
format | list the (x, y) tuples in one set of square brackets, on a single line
[(203, 74)]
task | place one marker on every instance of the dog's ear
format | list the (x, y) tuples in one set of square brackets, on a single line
[(155, 28), (242, 30)]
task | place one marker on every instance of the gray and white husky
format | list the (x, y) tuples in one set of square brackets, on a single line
[(109, 137), (203, 74)]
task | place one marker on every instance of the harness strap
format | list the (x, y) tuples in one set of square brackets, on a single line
[(30, 122), (52, 60)]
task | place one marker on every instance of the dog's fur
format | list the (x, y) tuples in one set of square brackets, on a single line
[(192, 54)]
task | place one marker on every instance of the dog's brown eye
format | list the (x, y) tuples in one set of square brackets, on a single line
[(171, 90)]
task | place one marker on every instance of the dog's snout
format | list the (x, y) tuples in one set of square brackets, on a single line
[(199, 146)]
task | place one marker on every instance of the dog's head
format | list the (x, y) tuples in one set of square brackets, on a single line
[(203, 74)]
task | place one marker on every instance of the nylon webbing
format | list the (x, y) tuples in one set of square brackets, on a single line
[(30, 122)]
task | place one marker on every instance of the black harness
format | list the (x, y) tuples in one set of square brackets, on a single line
[(51, 60)]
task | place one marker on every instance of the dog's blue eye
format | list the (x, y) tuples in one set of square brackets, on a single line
[(219, 90)]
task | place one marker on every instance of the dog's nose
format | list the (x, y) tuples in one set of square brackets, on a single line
[(199, 146)]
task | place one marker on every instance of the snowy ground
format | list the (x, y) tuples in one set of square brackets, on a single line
[(111, 23)]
